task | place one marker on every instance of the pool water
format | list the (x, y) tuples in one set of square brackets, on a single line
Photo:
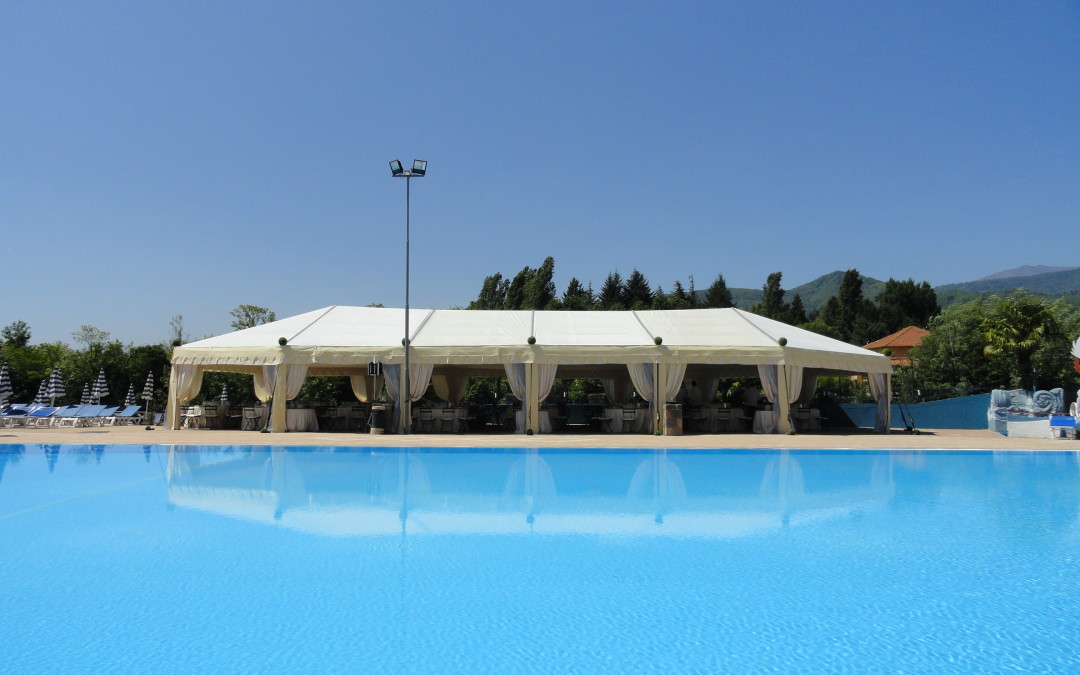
[(247, 559)]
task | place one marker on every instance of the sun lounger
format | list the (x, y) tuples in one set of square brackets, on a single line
[(67, 416), (1062, 426), (88, 413), (13, 414), (129, 415), (42, 417), (104, 415)]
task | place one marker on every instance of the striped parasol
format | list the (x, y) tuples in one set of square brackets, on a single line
[(147, 394), (42, 393), (130, 398), (5, 385), (224, 393), (101, 388), (55, 388), (87, 396)]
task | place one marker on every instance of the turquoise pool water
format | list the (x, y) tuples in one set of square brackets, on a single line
[(244, 559)]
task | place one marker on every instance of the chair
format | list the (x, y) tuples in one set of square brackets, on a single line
[(190, 416), (42, 417), (425, 422), (449, 420), (358, 415), (629, 420), (251, 420), (210, 415), (233, 416)]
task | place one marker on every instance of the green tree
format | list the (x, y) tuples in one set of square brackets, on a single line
[(772, 303), (1017, 326), (905, 303), (718, 294), (612, 292), (577, 297), (249, 316), (952, 354), (539, 290), (637, 294), (492, 293), (515, 293), (16, 333), (796, 311), (88, 336)]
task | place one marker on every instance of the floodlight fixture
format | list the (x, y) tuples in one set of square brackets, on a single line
[(395, 168)]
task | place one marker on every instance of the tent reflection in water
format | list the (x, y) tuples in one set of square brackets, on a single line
[(659, 484), (656, 350)]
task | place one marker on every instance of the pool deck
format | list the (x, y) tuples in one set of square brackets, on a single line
[(928, 439)]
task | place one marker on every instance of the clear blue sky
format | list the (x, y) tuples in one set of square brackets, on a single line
[(162, 158)]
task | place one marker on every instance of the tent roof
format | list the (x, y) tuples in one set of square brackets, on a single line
[(341, 335)]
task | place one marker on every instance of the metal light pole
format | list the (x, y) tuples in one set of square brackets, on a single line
[(419, 169)]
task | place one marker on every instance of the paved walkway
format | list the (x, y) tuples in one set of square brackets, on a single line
[(929, 439)]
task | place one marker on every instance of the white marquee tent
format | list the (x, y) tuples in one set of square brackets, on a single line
[(628, 350)]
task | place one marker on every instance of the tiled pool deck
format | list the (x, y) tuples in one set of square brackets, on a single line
[(928, 439)]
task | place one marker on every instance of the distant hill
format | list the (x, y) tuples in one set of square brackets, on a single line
[(1025, 271), (1058, 282), (814, 293), (1051, 284)]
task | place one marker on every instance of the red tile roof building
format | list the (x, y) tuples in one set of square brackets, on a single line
[(900, 343)]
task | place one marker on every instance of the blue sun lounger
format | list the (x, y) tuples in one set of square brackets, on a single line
[(129, 415), (67, 416), (42, 417)]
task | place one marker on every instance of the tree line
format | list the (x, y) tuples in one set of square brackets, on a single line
[(1014, 341)]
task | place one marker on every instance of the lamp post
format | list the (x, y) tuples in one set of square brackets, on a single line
[(419, 168)]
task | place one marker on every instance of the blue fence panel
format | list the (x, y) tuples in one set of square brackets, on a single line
[(965, 412)]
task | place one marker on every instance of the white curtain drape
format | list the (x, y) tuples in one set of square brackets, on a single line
[(641, 374), (419, 379), (794, 377), (675, 374), (363, 389), (449, 387), (515, 375), (264, 383), (879, 389), (294, 380), (545, 374), (617, 389), (188, 381), (709, 386), (769, 381)]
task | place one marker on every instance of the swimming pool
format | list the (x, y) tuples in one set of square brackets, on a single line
[(182, 559)]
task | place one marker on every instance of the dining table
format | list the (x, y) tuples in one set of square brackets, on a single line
[(296, 419), (615, 420)]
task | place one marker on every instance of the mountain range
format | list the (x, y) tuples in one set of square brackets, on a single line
[(1047, 281)]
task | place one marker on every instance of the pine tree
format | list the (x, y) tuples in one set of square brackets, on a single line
[(718, 294)]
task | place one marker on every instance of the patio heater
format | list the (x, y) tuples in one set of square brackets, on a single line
[(419, 168)]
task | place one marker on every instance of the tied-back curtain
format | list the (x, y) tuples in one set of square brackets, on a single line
[(515, 375), (295, 376), (617, 389), (363, 389), (545, 374), (769, 381), (794, 377), (641, 374), (188, 382), (449, 387), (879, 389), (264, 383), (419, 376), (675, 374)]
